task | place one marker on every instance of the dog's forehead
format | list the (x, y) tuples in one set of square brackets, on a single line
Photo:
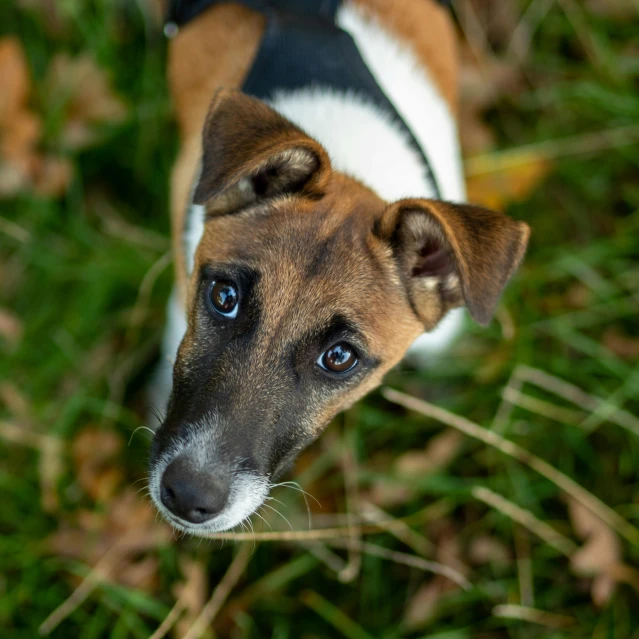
[(311, 259)]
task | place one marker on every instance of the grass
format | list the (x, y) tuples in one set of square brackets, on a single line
[(72, 274)]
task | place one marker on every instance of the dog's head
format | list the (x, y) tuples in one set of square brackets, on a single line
[(306, 289)]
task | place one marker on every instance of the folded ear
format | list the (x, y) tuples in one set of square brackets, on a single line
[(250, 151), (453, 254)]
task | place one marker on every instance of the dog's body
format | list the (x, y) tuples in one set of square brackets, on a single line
[(307, 250)]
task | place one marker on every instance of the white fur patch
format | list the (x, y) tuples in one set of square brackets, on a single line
[(413, 93)]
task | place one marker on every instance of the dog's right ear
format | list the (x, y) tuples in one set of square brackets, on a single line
[(249, 151)]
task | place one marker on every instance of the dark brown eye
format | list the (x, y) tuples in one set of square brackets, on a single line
[(223, 297), (338, 359)]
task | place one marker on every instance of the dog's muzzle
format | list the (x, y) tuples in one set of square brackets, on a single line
[(199, 488)]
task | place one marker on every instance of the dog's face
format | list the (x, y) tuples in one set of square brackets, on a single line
[(306, 289)]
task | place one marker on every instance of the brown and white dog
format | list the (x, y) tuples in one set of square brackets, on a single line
[(309, 256)]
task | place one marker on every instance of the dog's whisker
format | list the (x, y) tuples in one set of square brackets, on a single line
[(271, 498), (263, 519), (295, 486), (136, 430), (280, 514)]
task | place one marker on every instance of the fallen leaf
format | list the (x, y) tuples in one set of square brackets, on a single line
[(19, 127), (621, 344), (142, 574), (15, 78), (22, 165), (484, 549), (495, 183), (15, 401), (11, 327), (117, 545), (599, 554), (424, 604), (129, 521), (439, 452), (51, 175), (87, 98), (96, 455), (385, 494), (578, 295)]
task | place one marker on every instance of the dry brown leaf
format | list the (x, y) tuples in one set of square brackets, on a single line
[(439, 452), (496, 184), (115, 544), (88, 98), (387, 495), (621, 344), (19, 127), (426, 600), (423, 604), (599, 554), (578, 295), (15, 78), (15, 401), (11, 327), (485, 78), (95, 454), (128, 521), (22, 165), (51, 175), (484, 549), (142, 574)]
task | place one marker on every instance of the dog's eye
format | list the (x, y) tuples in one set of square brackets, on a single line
[(338, 359), (223, 297)]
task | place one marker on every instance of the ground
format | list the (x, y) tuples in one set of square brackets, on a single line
[(536, 541)]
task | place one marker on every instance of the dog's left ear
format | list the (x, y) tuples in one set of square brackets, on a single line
[(249, 151), (453, 254)]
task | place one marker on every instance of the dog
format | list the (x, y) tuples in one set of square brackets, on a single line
[(320, 231)]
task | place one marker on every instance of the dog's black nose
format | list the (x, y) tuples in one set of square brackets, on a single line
[(192, 495)]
